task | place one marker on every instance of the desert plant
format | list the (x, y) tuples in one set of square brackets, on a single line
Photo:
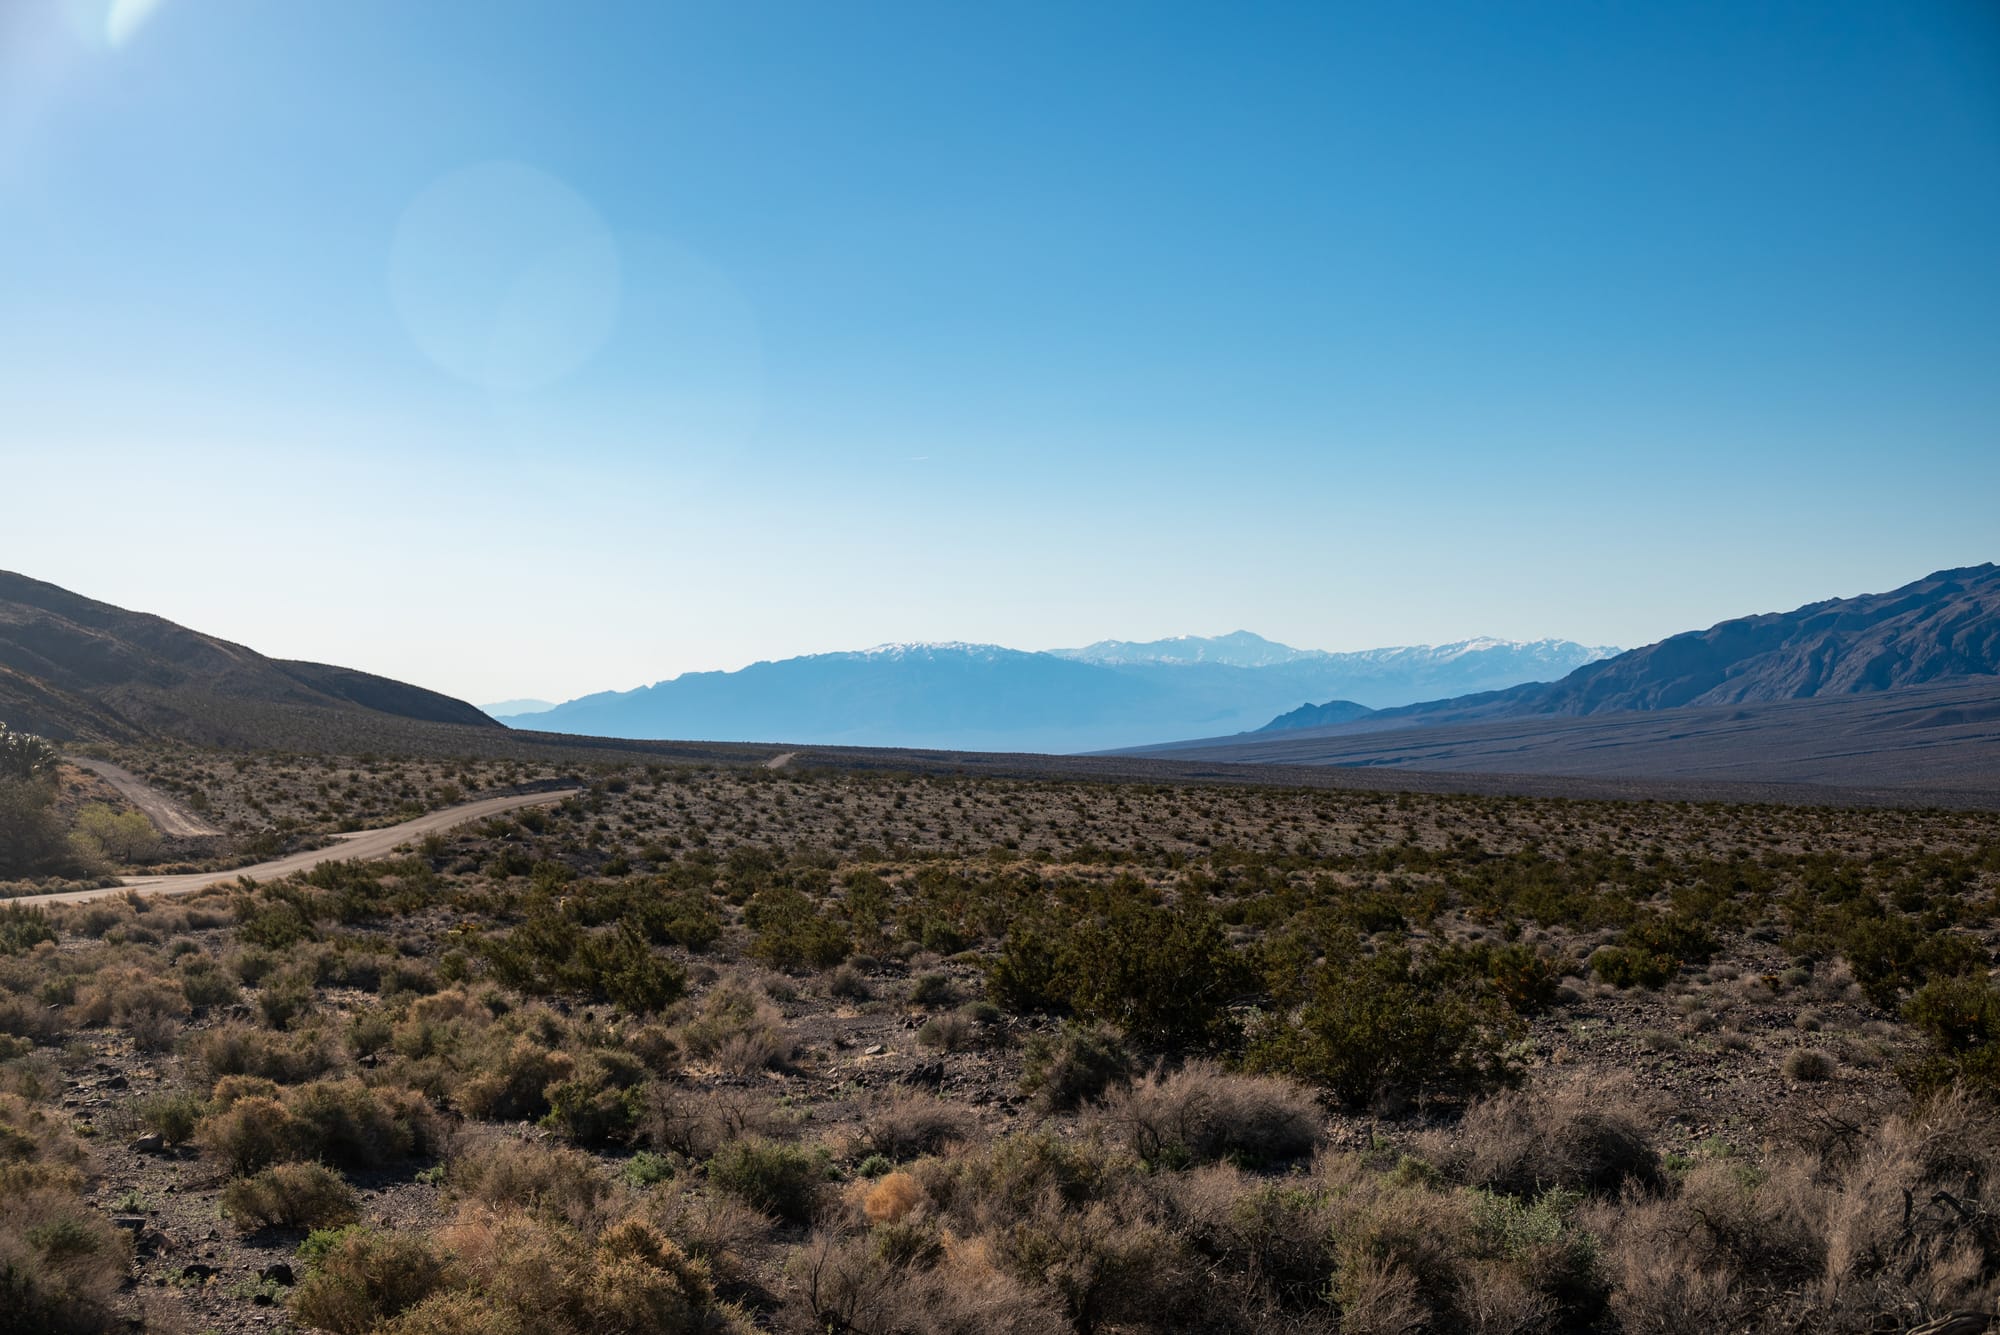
[(290, 1195), (1074, 1067), (1201, 1113), (357, 1277)]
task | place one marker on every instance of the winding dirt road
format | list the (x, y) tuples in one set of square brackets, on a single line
[(366, 845)]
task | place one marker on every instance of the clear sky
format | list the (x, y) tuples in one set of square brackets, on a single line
[(525, 348)]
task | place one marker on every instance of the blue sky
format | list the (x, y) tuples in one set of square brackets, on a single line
[(522, 348)]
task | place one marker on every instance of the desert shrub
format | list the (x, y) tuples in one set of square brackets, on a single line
[(172, 1116), (347, 1123), (516, 1085), (738, 1029), (602, 1103), (286, 996), (204, 984), (1376, 1028), (1201, 1113), (1808, 1065), (1564, 1138), (1161, 975), (1959, 1018), (534, 1275), (126, 995), (931, 989), (22, 1018), (908, 1123), (357, 1277), (454, 1312), (1074, 1067), (61, 1262), (240, 1049), (633, 976), (508, 1174), (249, 1134), (858, 1284), (1164, 975), (341, 1121), (290, 1195), (849, 983), (946, 1033), (698, 1122), (789, 932), (783, 1180)]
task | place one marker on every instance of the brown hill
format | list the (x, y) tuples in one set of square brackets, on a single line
[(74, 668)]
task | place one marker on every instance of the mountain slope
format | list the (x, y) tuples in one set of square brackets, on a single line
[(74, 668), (1939, 628), (1897, 688)]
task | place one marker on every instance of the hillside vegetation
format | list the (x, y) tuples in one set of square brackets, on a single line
[(779, 1049)]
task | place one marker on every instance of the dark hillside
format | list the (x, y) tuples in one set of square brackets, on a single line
[(74, 668)]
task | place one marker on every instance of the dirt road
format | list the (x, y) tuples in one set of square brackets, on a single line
[(366, 845), (168, 816)]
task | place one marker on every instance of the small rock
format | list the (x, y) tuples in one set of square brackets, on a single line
[(873, 1050), (197, 1273), (276, 1274), (113, 1082), (150, 1143)]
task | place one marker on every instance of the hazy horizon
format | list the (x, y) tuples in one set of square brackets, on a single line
[(530, 357)]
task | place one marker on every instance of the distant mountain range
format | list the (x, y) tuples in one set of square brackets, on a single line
[(986, 697), (73, 668)]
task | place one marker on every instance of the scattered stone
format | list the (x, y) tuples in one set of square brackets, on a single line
[(276, 1274), (198, 1273), (150, 1143)]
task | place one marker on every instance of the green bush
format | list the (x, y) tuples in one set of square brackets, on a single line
[(1375, 1028), (23, 927), (779, 1179), (173, 1117), (789, 932), (1959, 1018), (1074, 1067), (1163, 975)]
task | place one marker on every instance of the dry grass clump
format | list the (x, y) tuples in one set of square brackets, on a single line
[(291, 1195), (738, 1029), (1202, 1113), (61, 1262), (909, 1122), (1567, 1137)]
